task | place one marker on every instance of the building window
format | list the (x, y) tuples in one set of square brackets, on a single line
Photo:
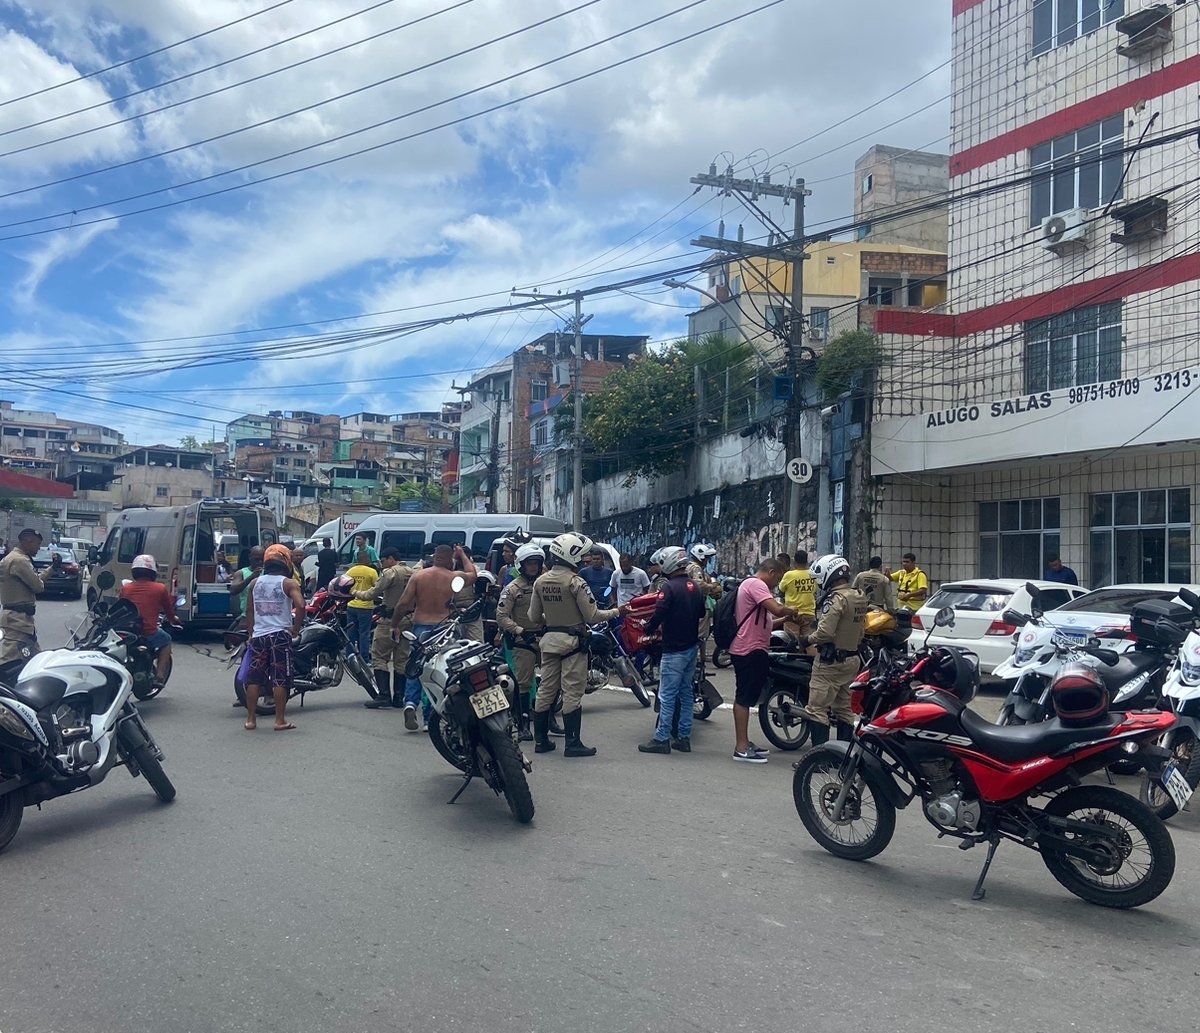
[(1079, 347), (161, 492), (1058, 22), (1017, 537), (197, 493), (818, 319), (562, 479), (867, 183), (537, 391), (723, 326), (883, 290), (1079, 170), (862, 231), (1141, 536), (775, 317), (541, 434)]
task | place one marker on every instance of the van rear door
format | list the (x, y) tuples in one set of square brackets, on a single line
[(240, 528)]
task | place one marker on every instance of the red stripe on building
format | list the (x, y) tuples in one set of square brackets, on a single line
[(1155, 84), (13, 483), (962, 6), (1038, 306)]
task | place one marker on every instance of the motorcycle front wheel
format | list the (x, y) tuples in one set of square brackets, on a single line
[(1141, 856), (1185, 751), (10, 818), (512, 774), (778, 718), (867, 820), (361, 674), (722, 658)]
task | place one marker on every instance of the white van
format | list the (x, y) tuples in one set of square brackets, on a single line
[(183, 541)]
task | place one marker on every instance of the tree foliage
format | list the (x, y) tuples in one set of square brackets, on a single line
[(848, 361), (431, 495), (19, 504)]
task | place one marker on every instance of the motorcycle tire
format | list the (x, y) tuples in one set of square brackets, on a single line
[(152, 770), (722, 658), (823, 765), (151, 690), (781, 728), (266, 704), (1186, 752), (1104, 803), (512, 774), (639, 692), (11, 813), (455, 760), (361, 674), (1008, 716), (701, 708)]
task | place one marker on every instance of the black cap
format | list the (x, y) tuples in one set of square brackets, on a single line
[(29, 532)]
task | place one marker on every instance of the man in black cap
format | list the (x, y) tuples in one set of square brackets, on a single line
[(19, 589)]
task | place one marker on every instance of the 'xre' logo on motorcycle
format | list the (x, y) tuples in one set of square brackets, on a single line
[(946, 737)]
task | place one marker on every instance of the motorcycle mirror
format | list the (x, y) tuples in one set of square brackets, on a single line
[(409, 636), (1035, 600), (1014, 618), (457, 583), (944, 618), (1190, 597), (105, 580)]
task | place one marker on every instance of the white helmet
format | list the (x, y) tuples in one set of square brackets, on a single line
[(672, 559), (657, 555), (487, 577), (828, 569), (529, 552), (144, 562), (570, 548), (702, 553)]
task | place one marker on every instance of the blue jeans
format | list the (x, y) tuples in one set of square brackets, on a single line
[(359, 628), (675, 675), (412, 686)]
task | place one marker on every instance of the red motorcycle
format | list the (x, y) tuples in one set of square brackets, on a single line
[(976, 780)]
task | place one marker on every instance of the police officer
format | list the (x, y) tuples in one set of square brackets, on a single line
[(658, 579), (562, 599), (875, 584), (519, 630), (385, 649), (842, 610), (20, 586)]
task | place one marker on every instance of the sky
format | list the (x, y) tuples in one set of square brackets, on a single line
[(214, 207)]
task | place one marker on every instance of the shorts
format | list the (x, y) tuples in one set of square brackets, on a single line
[(750, 675), (272, 661), (159, 640)]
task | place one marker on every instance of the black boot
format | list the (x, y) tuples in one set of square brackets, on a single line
[(541, 724), (845, 732), (384, 697), (820, 734), (555, 727), (399, 682), (574, 746)]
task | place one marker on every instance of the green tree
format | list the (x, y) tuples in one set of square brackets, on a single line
[(19, 504), (432, 495), (189, 442), (848, 360)]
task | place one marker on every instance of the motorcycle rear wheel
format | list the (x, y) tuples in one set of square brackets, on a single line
[(776, 718), (11, 812), (151, 690), (266, 704), (722, 658), (512, 774), (1186, 753), (1116, 812), (815, 787), (453, 758)]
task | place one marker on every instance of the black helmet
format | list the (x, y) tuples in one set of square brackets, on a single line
[(953, 670), (1079, 694)]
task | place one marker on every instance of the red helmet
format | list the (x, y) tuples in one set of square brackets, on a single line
[(342, 587)]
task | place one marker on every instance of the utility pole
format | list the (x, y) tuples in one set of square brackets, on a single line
[(494, 457), (749, 190)]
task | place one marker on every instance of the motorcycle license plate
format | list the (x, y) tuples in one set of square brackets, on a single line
[(491, 701), (1176, 786)]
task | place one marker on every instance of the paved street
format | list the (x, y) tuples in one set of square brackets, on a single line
[(316, 880)]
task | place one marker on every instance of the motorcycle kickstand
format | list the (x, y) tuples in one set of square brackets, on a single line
[(979, 892), (461, 789)]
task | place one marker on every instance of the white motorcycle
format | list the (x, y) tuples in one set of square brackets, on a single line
[(470, 721), (66, 723)]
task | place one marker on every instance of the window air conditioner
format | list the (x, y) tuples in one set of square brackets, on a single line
[(816, 333), (1069, 227)]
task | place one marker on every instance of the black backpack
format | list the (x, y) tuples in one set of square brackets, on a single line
[(725, 625)]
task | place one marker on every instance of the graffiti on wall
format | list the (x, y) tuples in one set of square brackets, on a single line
[(745, 523)]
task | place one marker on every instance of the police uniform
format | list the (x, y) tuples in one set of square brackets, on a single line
[(837, 638), (657, 583), (19, 589), (562, 600), (876, 586), (472, 630), (512, 617), (384, 651)]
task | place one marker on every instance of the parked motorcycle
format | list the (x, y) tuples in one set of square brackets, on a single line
[(608, 659), (977, 781), (66, 722), (1168, 795), (470, 721), (324, 653)]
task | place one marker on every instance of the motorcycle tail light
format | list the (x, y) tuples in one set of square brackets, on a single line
[(479, 679)]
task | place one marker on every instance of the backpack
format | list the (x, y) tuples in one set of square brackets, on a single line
[(725, 625)]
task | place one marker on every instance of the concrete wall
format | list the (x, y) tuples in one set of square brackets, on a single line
[(902, 178)]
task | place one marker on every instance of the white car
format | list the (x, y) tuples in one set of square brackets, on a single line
[(979, 607), (1104, 612)]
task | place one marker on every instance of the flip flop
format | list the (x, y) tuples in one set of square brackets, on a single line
[(285, 728), (249, 725)]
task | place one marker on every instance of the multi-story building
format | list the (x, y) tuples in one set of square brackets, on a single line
[(1051, 406), (161, 475), (367, 426), (891, 185), (422, 442)]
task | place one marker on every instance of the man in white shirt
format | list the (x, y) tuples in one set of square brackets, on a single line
[(628, 581)]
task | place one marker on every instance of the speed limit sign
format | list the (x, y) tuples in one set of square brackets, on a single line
[(799, 470)]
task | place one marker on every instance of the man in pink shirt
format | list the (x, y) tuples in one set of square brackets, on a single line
[(756, 608)]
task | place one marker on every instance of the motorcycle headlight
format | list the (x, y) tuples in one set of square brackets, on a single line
[(1023, 656), (14, 725), (1189, 673)]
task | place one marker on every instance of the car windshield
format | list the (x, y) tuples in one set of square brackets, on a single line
[(1114, 600), (46, 554), (971, 597)]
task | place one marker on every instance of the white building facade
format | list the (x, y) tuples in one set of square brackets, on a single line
[(1053, 405)]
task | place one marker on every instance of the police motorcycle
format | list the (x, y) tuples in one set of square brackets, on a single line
[(69, 719), (470, 722), (324, 653), (1169, 793)]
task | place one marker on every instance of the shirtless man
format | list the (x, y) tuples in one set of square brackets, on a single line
[(426, 597)]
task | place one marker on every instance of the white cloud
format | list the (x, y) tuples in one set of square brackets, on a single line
[(54, 250)]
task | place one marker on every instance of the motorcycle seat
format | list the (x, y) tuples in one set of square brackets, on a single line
[(1128, 667), (1016, 743)]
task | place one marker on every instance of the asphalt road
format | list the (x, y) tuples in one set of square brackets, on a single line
[(317, 880)]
